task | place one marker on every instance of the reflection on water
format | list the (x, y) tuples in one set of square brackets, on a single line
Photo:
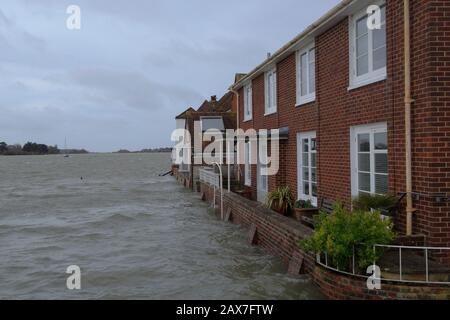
[(135, 235)]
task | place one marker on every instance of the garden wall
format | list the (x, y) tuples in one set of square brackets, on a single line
[(279, 236)]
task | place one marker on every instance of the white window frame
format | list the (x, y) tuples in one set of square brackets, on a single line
[(371, 129), (301, 195), (311, 96), (247, 166), (248, 102), (372, 76), (270, 108)]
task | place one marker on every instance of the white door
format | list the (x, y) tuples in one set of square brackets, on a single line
[(263, 181)]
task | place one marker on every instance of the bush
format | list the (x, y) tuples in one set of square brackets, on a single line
[(302, 204), (281, 200), (338, 234), (366, 202)]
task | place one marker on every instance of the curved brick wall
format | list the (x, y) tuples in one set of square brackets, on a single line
[(279, 236)]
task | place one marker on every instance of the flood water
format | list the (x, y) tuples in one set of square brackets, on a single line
[(134, 235)]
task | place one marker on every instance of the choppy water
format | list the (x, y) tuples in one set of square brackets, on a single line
[(134, 235)]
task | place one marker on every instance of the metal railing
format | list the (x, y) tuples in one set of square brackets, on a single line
[(208, 176), (427, 253)]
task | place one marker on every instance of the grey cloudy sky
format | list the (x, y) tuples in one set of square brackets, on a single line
[(134, 65)]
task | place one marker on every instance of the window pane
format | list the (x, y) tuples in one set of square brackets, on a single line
[(314, 190), (304, 74), (383, 14), (306, 188), (305, 145), (379, 58), (362, 45), (312, 78), (305, 159), (313, 175), (362, 65), (381, 141), (364, 142), (364, 162), (381, 184), (313, 160), (312, 56), (305, 174), (379, 37), (381, 163), (364, 182), (361, 27)]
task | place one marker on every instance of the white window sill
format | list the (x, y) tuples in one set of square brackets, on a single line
[(270, 113), (305, 100), (247, 120), (362, 83), (248, 185)]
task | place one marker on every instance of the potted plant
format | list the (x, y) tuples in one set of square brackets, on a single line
[(304, 208), (280, 200), (345, 235)]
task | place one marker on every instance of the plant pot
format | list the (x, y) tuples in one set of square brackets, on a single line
[(281, 210), (305, 212), (244, 193)]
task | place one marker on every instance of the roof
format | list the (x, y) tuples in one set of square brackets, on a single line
[(341, 10), (214, 105), (183, 115)]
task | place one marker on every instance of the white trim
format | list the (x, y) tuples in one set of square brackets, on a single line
[(354, 132), (372, 76), (363, 83), (270, 109), (300, 192), (248, 102), (311, 96)]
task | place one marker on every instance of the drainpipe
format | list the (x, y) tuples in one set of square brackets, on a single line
[(408, 102)]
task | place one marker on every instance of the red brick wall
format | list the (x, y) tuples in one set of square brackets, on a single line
[(337, 109)]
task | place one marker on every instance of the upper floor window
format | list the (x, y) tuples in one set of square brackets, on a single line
[(306, 75), (271, 92), (248, 102), (368, 49)]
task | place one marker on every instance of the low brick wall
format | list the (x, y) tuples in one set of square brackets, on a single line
[(280, 235)]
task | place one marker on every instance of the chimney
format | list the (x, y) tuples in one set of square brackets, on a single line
[(213, 98), (269, 55)]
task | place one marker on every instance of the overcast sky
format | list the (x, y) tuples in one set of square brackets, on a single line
[(134, 65)]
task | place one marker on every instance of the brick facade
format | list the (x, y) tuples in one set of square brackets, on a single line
[(337, 109)]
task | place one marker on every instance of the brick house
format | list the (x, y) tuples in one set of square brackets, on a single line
[(212, 114), (339, 89)]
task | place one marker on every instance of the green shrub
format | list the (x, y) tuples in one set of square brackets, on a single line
[(366, 202), (280, 200), (342, 232)]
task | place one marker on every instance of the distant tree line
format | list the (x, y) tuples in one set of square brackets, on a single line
[(30, 148), (155, 150)]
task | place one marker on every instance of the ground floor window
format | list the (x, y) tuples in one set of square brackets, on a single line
[(307, 166), (370, 159)]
